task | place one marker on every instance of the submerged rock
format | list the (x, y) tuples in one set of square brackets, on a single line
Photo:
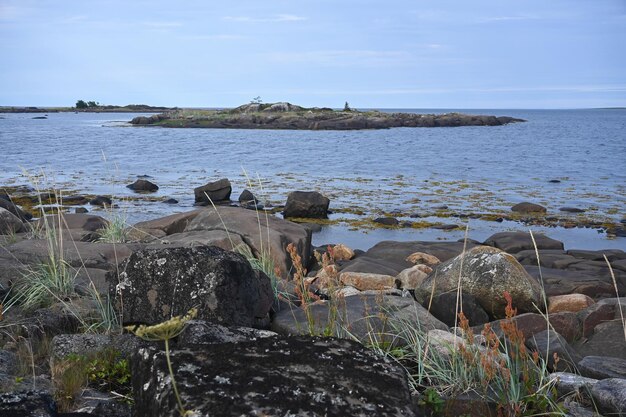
[(143, 185)]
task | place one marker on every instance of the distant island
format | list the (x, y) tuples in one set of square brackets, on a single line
[(289, 116), (88, 107)]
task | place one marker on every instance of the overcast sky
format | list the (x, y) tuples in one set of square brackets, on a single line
[(385, 54)]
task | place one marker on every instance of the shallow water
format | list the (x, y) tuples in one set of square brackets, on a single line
[(469, 169)]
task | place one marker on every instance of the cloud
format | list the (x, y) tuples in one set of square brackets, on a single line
[(217, 37), (162, 25), (491, 19), (342, 57), (275, 18)]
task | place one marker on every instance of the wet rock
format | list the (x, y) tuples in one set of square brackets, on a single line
[(569, 302), (602, 367), (411, 277), (260, 233), (513, 242), (201, 332), (527, 207), (27, 404), (74, 200), (101, 200), (486, 273), (571, 210), (158, 284), (554, 181), (364, 315), (386, 221), (170, 201), (610, 395), (363, 281), (443, 307), (306, 204), (143, 186), (15, 210), (277, 377), (548, 343), (9, 223), (216, 191), (81, 210)]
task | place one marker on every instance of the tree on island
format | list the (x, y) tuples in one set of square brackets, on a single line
[(256, 100), (92, 104), (346, 107), (81, 104)]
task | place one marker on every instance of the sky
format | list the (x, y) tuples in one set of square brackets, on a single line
[(486, 54)]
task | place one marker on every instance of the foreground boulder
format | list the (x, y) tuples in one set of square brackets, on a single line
[(158, 284), (306, 204), (27, 404), (485, 273), (214, 191), (272, 377)]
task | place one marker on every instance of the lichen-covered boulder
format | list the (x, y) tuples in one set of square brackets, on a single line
[(156, 284), (303, 376), (486, 273), (27, 404)]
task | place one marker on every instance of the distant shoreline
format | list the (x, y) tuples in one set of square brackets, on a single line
[(131, 108)]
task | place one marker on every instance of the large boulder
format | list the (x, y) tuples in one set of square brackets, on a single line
[(306, 204), (486, 273), (272, 377), (263, 233), (610, 396), (9, 222), (157, 284), (213, 191)]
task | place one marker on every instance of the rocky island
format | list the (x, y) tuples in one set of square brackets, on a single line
[(290, 116)]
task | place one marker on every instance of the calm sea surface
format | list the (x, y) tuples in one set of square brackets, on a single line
[(469, 169)]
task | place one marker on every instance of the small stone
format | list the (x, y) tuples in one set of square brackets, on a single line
[(342, 253), (386, 221), (569, 302), (410, 278), (527, 207), (423, 258), (365, 281), (571, 210), (101, 200)]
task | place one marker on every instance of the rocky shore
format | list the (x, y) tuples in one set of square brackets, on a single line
[(130, 108), (285, 328), (289, 116)]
